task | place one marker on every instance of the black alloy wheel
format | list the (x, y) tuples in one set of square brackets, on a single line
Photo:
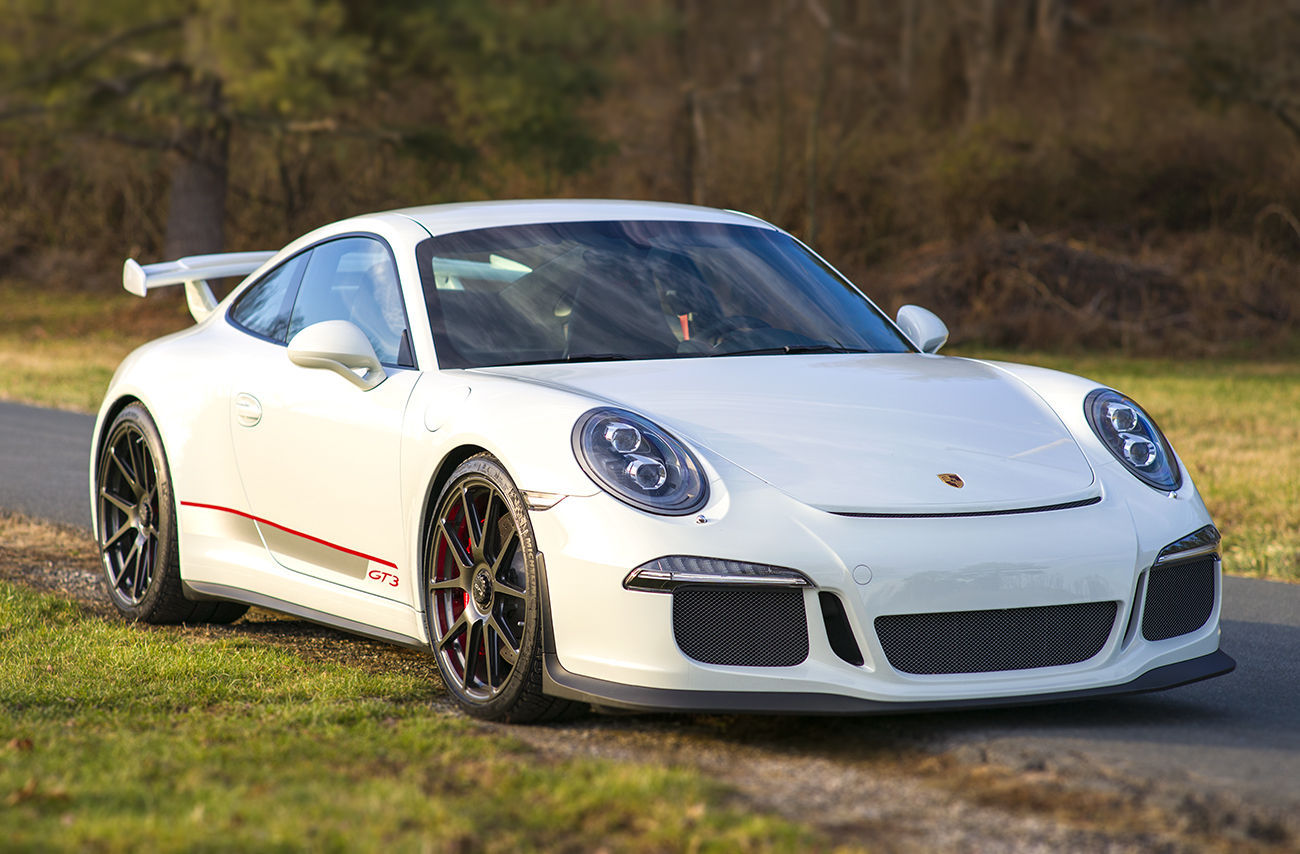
[(482, 602), (128, 513), (136, 527)]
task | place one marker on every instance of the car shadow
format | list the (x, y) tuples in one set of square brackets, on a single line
[(1255, 707)]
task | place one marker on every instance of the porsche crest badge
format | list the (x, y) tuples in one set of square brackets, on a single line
[(952, 480)]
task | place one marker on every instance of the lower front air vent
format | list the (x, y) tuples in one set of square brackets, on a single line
[(838, 631), (1180, 598), (1003, 639), (741, 626)]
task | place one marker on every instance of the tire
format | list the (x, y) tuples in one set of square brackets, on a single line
[(136, 528), (482, 605)]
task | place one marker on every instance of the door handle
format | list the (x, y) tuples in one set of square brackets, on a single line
[(247, 409)]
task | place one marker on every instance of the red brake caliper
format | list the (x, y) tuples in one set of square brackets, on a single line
[(463, 531)]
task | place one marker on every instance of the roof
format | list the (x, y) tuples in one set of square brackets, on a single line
[(463, 216)]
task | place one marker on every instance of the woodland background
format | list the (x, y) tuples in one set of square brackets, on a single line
[(1046, 174)]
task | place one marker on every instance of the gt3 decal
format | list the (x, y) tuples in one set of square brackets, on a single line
[(383, 577)]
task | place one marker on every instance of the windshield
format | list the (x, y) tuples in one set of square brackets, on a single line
[(594, 291)]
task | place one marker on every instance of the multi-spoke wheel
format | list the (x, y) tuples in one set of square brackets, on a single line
[(482, 604), (137, 527)]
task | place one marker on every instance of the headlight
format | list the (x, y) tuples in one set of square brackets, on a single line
[(1134, 439), (639, 463)]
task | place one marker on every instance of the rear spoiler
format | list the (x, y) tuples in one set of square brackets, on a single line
[(193, 271)]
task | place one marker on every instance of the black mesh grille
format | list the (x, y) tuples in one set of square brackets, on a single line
[(1180, 598), (1006, 639), (741, 626)]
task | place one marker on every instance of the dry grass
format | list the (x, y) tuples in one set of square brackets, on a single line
[(60, 349), (1209, 823), (43, 542)]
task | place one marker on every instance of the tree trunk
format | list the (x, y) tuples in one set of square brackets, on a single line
[(196, 204), (980, 47), (815, 119), (1050, 21), (907, 48), (691, 123), (780, 10)]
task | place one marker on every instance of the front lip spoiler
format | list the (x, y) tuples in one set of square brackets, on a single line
[(561, 683)]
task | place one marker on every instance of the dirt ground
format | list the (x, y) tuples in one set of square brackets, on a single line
[(891, 791)]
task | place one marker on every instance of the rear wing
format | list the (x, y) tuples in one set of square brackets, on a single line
[(193, 271)]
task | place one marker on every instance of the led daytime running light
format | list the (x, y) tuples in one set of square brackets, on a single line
[(1202, 541), (665, 574)]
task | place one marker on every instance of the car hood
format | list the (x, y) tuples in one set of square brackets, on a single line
[(854, 433)]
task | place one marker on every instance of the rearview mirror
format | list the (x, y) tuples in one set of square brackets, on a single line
[(923, 328), (341, 347)]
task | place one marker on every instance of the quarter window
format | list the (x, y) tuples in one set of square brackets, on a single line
[(263, 309)]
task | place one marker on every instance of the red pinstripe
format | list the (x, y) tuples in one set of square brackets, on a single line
[(262, 521)]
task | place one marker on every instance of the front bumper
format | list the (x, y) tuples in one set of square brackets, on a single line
[(616, 647)]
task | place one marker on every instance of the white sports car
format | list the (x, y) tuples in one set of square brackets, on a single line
[(643, 456)]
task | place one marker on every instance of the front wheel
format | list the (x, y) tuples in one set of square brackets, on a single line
[(482, 603), (136, 527)]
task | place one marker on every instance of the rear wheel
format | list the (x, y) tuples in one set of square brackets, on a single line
[(136, 527), (482, 602)]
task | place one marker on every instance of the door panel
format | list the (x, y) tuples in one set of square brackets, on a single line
[(320, 469)]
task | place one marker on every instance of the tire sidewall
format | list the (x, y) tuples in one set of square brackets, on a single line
[(165, 556), (500, 706)]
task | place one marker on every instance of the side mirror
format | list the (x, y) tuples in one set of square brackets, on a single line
[(341, 347), (923, 328)]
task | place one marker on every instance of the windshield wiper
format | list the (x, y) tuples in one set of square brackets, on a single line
[(576, 357), (786, 349)]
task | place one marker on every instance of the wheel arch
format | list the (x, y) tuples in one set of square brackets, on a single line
[(108, 415), (441, 475)]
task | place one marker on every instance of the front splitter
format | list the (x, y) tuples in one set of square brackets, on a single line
[(561, 683)]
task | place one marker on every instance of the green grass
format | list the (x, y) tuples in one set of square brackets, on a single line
[(1236, 424), (121, 738)]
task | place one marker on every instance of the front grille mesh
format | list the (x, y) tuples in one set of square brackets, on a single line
[(741, 626), (988, 641), (1180, 598)]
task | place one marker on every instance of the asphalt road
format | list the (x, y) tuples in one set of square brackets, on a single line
[(44, 463), (1238, 734)]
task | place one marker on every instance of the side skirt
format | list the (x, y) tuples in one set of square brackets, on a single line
[(209, 590)]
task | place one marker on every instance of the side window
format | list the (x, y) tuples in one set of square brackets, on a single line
[(353, 279), (264, 308)]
